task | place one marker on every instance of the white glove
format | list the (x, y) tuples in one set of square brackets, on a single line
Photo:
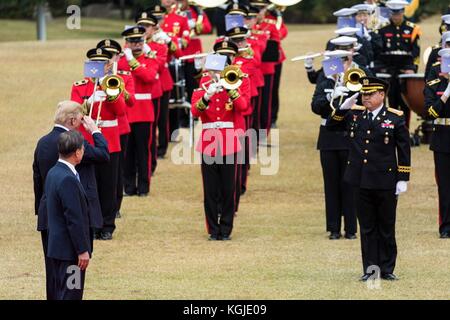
[(146, 48), (98, 96), (349, 102), (128, 54), (309, 63), (192, 23), (401, 187), (367, 34), (164, 37), (447, 91), (340, 91), (212, 90)]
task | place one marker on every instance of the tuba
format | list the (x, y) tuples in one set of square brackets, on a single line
[(231, 77), (351, 79)]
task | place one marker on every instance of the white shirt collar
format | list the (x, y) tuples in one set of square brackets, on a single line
[(61, 126), (71, 166), (376, 111)]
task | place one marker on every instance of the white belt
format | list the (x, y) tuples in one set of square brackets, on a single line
[(323, 122), (442, 121), (218, 125), (108, 123), (143, 96)]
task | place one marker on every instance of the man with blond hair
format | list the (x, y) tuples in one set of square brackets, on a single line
[(68, 116)]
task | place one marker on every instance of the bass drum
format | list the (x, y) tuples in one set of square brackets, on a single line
[(412, 91)]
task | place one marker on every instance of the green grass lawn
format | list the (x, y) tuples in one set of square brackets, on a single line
[(24, 30)]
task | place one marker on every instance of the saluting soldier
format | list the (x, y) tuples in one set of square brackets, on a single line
[(437, 104), (378, 167), (143, 65), (445, 32), (400, 54), (219, 145), (124, 127), (90, 95)]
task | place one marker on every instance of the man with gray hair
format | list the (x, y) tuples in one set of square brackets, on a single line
[(68, 116)]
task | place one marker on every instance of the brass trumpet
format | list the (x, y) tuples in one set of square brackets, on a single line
[(113, 86), (231, 77), (351, 79)]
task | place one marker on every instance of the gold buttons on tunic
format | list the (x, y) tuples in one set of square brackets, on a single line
[(368, 131), (366, 151), (365, 160), (367, 141)]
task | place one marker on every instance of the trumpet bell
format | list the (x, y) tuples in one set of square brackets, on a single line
[(231, 77), (113, 86), (351, 79)]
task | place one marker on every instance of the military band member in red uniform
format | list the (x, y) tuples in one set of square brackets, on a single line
[(219, 145), (91, 95), (124, 127), (144, 67)]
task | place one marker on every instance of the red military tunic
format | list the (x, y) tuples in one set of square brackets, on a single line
[(109, 113), (144, 71), (165, 78), (258, 47), (195, 43), (221, 109), (124, 125), (177, 27), (270, 29), (283, 31)]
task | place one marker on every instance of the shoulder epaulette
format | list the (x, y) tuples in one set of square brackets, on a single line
[(433, 82), (410, 24), (436, 46), (360, 108), (79, 83), (205, 74), (151, 54), (123, 72), (384, 24), (395, 111), (436, 63)]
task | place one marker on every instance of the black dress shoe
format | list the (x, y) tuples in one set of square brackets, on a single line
[(213, 238), (444, 235), (226, 238), (143, 194), (350, 236), (365, 277), (334, 236), (97, 236), (106, 235), (118, 215), (129, 194), (388, 276)]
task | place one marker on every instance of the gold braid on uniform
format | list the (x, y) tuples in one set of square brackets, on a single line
[(134, 64), (202, 104), (404, 169), (199, 27), (335, 117), (172, 47), (233, 94), (433, 112)]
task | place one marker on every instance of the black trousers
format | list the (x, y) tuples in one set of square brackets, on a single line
[(107, 175), (153, 146), (49, 282), (219, 188), (339, 197), (266, 102), (163, 125), (246, 164), (442, 169), (174, 120), (137, 161), (63, 279), (120, 178), (256, 116), (276, 92), (376, 214), (191, 85)]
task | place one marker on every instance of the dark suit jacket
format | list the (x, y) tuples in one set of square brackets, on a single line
[(68, 217), (45, 157)]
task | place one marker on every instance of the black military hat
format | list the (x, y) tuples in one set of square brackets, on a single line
[(237, 33), (372, 84), (252, 11), (110, 45), (134, 34), (146, 18), (226, 47), (98, 54), (236, 8), (158, 11)]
